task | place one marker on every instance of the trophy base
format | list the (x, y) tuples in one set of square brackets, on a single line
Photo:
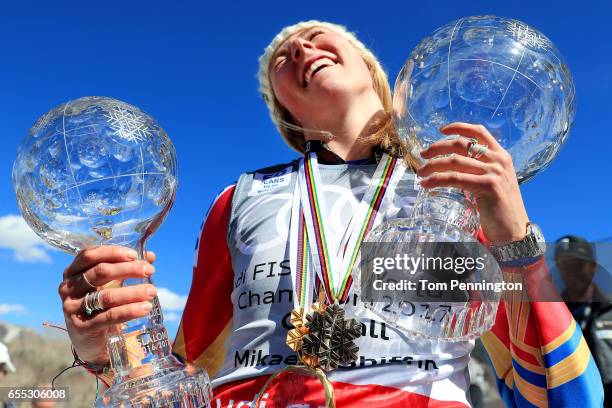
[(439, 313), (169, 384)]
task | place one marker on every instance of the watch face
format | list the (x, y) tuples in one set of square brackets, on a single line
[(537, 233)]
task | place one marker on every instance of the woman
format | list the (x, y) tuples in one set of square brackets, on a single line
[(328, 95)]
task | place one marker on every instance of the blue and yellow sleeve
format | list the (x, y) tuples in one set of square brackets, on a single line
[(537, 350)]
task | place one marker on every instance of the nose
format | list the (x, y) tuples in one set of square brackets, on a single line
[(299, 47)]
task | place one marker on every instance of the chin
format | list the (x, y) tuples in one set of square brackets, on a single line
[(337, 90), (341, 81)]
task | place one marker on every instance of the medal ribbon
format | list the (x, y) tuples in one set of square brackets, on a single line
[(303, 283), (334, 268), (309, 245), (299, 256)]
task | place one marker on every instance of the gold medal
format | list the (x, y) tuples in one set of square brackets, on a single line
[(324, 338), (295, 336)]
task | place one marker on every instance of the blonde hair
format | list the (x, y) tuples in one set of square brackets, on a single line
[(385, 133)]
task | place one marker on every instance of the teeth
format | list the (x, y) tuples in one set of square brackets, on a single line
[(314, 66)]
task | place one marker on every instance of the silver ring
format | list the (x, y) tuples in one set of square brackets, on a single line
[(481, 151), (97, 302), (93, 303), (87, 281), (87, 304), (470, 147)]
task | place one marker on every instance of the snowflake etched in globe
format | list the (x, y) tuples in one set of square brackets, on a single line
[(95, 171), (127, 124), (525, 35)]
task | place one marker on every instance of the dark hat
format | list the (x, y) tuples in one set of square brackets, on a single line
[(576, 247)]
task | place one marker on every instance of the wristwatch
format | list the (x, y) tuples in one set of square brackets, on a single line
[(528, 248)]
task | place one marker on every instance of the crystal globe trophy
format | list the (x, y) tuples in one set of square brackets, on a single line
[(487, 70), (98, 171)]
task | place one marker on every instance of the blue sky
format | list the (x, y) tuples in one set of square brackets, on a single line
[(192, 66)]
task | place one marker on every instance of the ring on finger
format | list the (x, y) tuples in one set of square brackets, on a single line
[(87, 304), (483, 148), (91, 285), (470, 148), (93, 303), (97, 302)]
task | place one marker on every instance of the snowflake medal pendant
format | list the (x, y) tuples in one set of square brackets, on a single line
[(324, 338)]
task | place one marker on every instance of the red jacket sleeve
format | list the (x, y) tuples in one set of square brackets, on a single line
[(207, 318)]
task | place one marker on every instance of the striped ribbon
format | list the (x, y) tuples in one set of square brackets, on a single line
[(334, 268), (299, 255), (302, 255)]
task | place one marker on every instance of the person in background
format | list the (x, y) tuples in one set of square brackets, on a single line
[(5, 366), (577, 263), (5, 362)]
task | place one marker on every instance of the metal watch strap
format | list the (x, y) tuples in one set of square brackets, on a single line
[(532, 245)]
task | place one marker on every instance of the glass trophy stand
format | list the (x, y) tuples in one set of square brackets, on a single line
[(147, 374), (497, 72), (98, 171)]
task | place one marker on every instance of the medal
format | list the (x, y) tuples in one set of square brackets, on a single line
[(322, 336), (330, 338)]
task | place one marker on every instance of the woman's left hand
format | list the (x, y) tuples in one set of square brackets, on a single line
[(491, 177)]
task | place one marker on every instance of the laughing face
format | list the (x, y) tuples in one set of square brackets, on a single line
[(316, 72)]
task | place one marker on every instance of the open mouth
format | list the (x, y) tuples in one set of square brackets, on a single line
[(315, 67)]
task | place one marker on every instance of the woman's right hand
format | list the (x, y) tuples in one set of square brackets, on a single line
[(104, 268)]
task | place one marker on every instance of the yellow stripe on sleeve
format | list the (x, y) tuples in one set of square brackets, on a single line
[(565, 336), (498, 353), (569, 368), (213, 357), (523, 320), (532, 393)]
